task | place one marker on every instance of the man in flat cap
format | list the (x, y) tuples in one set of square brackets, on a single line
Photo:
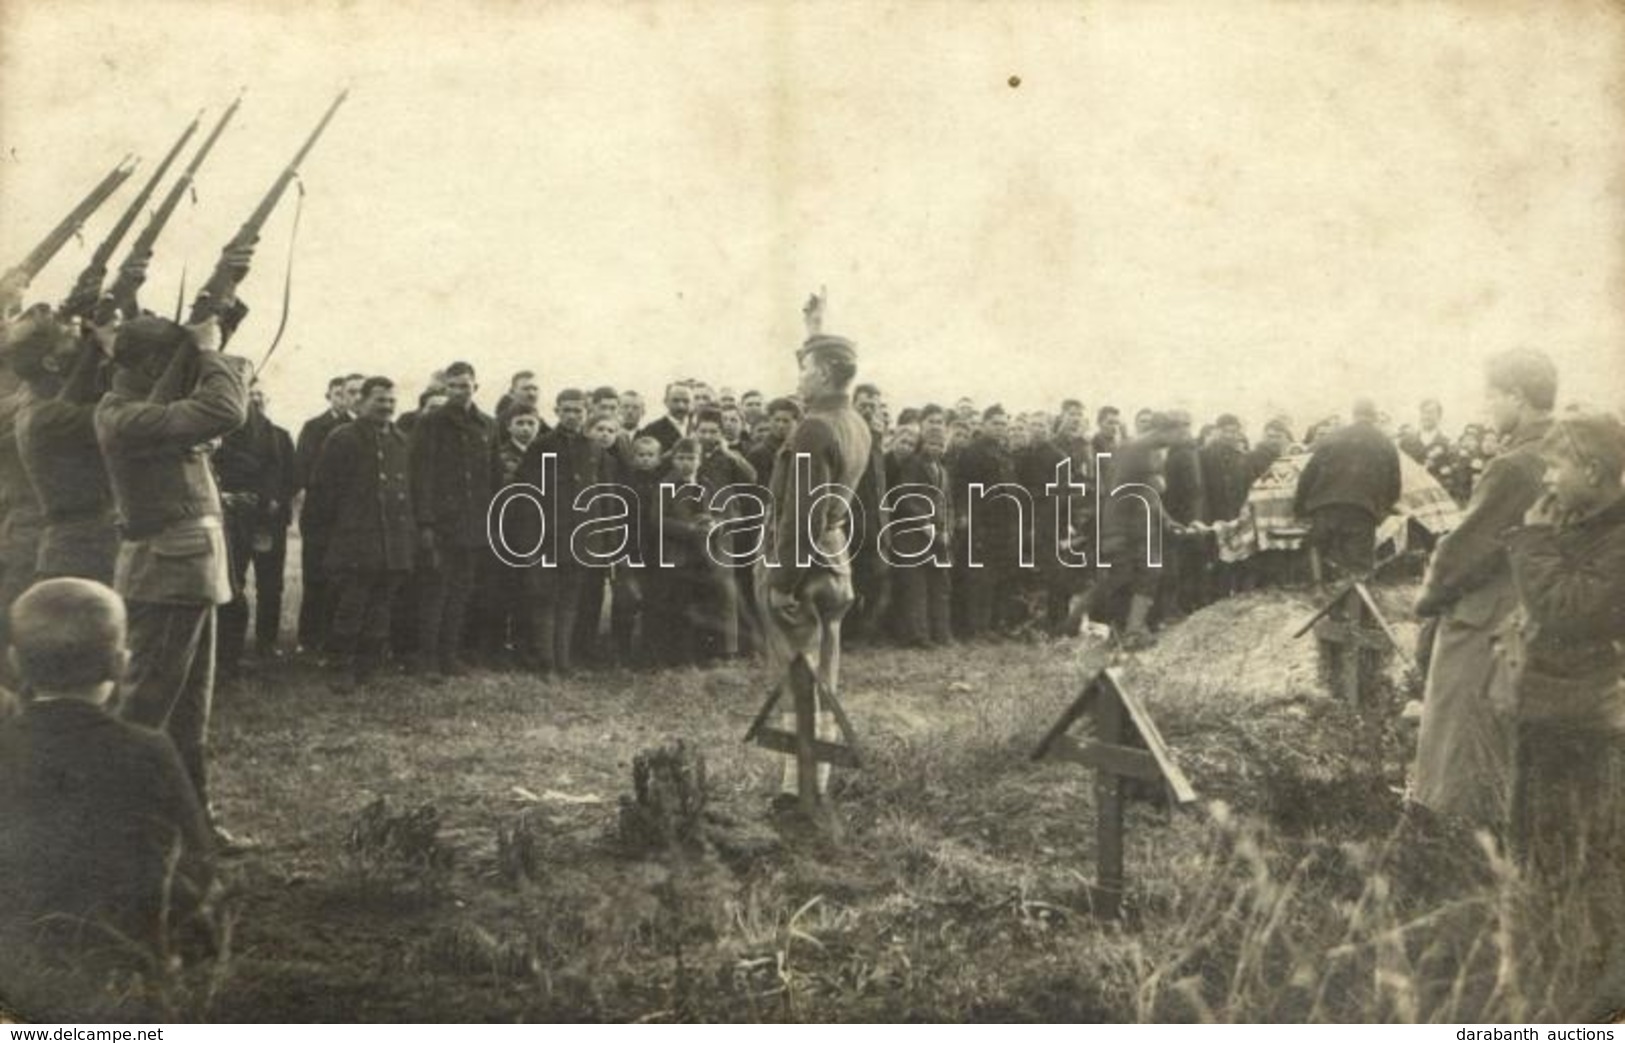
[(172, 392), (804, 584)]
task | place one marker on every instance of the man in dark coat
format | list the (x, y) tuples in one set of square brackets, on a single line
[(315, 607), (870, 575), (453, 454), (987, 558), (361, 496), (255, 467), (782, 416), (1349, 485), (1184, 575), (729, 626), (56, 437), (674, 425), (102, 841), (576, 463), (1227, 476), (922, 512), (171, 570), (1133, 533)]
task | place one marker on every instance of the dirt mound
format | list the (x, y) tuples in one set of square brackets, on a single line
[(1241, 703)]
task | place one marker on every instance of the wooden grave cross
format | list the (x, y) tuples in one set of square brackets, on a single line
[(804, 744), (1342, 624), (1125, 744)]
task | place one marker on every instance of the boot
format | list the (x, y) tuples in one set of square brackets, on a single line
[(1136, 635)]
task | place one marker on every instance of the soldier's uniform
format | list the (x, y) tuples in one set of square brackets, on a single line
[(56, 437), (21, 520), (835, 442), (171, 567)]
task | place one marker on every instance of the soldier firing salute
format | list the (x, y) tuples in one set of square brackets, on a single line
[(171, 567), (20, 515), (56, 437), (804, 583)]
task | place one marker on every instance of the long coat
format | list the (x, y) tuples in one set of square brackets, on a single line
[(453, 468), (1464, 749), (1560, 677), (578, 463), (1354, 466), (361, 496)]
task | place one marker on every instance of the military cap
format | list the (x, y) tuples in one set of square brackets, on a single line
[(144, 337), (827, 347), (32, 336)]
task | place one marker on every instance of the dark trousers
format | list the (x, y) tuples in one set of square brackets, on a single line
[(556, 599), (1346, 538), (170, 683), (625, 609), (268, 567), (922, 604), (448, 583), (361, 613), (589, 616), (690, 614), (750, 624), (16, 576), (505, 615), (315, 603), (985, 597), (1184, 576)]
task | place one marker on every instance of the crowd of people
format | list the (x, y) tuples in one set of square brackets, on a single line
[(404, 555), (139, 459)]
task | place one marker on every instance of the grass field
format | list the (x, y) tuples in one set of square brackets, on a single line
[(952, 883)]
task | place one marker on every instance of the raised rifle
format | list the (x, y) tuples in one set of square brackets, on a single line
[(14, 282), (82, 298), (132, 271), (220, 292)]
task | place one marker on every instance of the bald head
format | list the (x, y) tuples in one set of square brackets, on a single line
[(67, 635)]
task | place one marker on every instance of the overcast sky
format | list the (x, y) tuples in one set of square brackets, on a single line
[(1248, 206)]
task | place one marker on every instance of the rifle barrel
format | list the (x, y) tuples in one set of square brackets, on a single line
[(58, 237), (221, 288), (83, 297), (132, 270)]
